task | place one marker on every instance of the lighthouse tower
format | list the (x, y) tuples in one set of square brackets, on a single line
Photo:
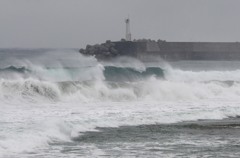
[(128, 33)]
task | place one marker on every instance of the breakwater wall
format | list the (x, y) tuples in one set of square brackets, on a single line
[(148, 50)]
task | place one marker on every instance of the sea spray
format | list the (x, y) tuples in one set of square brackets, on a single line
[(201, 76), (50, 109), (113, 83)]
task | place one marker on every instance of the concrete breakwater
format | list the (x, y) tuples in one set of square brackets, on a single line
[(146, 50)]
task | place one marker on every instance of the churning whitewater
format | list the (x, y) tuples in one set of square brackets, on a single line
[(61, 105)]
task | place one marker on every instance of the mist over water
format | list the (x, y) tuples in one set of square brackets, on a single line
[(51, 99)]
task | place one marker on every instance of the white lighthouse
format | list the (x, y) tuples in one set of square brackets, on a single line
[(128, 33)]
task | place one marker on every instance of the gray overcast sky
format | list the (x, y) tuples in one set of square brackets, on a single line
[(75, 23)]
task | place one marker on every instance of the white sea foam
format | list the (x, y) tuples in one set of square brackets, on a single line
[(28, 138), (38, 112)]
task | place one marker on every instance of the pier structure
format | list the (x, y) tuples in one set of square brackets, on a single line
[(149, 50)]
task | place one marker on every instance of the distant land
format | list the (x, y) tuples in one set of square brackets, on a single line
[(147, 50)]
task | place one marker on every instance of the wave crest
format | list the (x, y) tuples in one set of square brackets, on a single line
[(29, 89)]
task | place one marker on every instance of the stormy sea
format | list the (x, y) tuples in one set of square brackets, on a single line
[(56, 103)]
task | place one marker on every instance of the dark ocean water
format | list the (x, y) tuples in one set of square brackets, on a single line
[(57, 103)]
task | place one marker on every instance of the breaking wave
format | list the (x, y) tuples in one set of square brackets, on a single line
[(15, 69), (110, 73), (111, 83), (129, 74), (41, 106)]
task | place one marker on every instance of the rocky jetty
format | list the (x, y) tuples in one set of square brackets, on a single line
[(148, 50), (101, 51)]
